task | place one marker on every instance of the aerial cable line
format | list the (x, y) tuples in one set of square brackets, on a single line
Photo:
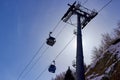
[(43, 53), (64, 48), (37, 54), (102, 7), (105, 5), (36, 62), (60, 31), (56, 26), (30, 61), (55, 57), (41, 73)]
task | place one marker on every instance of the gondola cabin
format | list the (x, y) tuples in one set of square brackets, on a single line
[(51, 40), (52, 68)]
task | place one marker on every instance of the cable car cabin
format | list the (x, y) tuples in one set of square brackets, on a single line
[(52, 68), (51, 40)]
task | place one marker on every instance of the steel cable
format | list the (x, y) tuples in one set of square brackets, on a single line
[(55, 57)]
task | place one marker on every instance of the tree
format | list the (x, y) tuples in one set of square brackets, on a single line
[(60, 76), (96, 54), (106, 40), (69, 75), (117, 31)]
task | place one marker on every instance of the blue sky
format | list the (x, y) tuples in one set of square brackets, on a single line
[(25, 25)]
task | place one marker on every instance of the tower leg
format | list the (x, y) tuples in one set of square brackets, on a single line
[(79, 55)]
